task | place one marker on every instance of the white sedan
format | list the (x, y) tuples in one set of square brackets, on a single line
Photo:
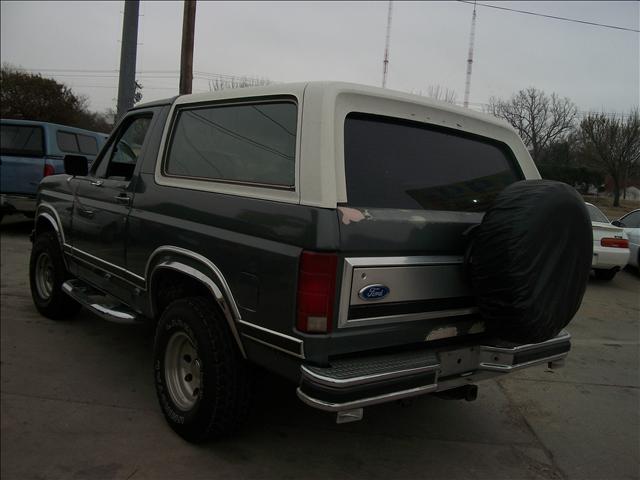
[(610, 245), (631, 225)]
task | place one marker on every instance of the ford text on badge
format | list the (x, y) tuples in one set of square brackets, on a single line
[(373, 292)]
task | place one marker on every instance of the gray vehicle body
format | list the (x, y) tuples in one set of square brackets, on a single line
[(241, 244)]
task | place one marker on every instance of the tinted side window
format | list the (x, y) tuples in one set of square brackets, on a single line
[(632, 220), (238, 143), (21, 140), (67, 142), (88, 144), (123, 155), (127, 149), (392, 163)]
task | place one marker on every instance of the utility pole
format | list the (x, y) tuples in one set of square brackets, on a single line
[(472, 36), (128, 51), (385, 62), (186, 56)]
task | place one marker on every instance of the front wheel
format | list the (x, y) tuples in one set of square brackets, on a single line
[(47, 273), (202, 381)]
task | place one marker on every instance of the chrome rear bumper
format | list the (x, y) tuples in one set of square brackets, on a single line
[(359, 382)]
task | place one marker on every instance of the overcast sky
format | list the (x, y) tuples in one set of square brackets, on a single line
[(598, 68)]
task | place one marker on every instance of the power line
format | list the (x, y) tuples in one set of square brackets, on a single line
[(565, 19), (114, 87), (63, 72)]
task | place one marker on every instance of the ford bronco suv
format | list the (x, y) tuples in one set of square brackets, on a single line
[(366, 244)]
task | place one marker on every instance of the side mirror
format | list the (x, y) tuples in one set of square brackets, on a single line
[(617, 223), (76, 165)]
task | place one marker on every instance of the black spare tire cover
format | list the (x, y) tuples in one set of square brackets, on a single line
[(530, 260)]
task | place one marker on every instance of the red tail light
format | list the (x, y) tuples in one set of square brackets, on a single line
[(48, 170), (316, 291), (615, 242)]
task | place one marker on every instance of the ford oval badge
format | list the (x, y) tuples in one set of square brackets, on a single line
[(373, 292)]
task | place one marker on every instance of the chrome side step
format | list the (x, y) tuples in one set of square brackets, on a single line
[(97, 302)]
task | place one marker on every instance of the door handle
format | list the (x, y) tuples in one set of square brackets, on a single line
[(97, 183), (123, 199), (87, 212)]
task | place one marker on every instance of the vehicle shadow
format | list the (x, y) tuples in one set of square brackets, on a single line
[(634, 271), (16, 225)]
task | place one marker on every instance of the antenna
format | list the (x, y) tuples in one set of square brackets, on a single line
[(385, 62), (472, 36)]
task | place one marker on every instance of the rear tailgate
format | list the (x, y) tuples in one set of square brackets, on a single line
[(21, 158), (412, 268), (413, 191), (20, 175)]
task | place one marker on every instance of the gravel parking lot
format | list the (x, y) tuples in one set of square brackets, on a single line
[(77, 401)]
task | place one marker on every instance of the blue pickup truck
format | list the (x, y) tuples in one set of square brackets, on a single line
[(32, 150)]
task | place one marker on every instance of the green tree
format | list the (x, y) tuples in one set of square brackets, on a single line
[(33, 97), (563, 160)]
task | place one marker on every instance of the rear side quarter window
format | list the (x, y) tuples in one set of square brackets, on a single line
[(67, 142), (246, 143), (70, 142), (88, 144)]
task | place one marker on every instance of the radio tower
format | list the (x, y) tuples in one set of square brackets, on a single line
[(385, 62), (472, 36)]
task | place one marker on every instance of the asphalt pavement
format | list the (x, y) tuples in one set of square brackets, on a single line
[(77, 402)]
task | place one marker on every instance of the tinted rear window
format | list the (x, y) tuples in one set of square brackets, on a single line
[(21, 140), (392, 163), (596, 215), (236, 143)]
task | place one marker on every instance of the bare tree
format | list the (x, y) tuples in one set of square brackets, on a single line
[(443, 94), (613, 144), (236, 82), (437, 92), (539, 118)]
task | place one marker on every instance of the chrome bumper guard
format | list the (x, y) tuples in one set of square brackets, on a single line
[(359, 382)]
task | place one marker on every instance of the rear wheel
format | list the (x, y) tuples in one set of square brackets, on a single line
[(605, 275), (47, 273), (202, 382)]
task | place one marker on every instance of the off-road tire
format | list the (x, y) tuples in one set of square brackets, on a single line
[(57, 305), (605, 275), (224, 384)]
